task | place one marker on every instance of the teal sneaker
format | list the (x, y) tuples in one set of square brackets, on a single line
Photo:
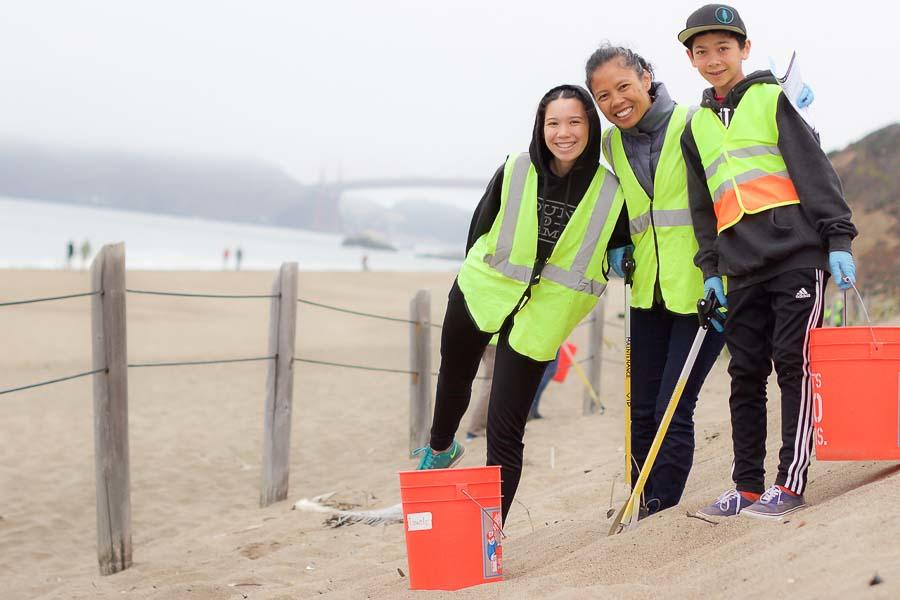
[(440, 460)]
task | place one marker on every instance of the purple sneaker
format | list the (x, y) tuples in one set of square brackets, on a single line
[(775, 503), (729, 504)]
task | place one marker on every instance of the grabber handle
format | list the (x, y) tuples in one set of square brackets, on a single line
[(628, 265), (708, 309)]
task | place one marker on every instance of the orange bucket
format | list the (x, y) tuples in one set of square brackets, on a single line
[(452, 521), (855, 375)]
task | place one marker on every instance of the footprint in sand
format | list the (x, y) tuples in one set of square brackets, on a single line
[(259, 549)]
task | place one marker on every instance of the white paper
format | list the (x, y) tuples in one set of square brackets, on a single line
[(791, 83), (418, 521)]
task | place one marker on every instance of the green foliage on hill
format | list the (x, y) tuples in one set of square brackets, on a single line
[(870, 173)]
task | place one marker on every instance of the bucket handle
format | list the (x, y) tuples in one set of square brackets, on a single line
[(865, 312), (484, 510)]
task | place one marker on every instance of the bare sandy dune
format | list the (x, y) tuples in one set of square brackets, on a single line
[(196, 446)]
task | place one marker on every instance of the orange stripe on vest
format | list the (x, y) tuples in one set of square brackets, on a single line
[(757, 195)]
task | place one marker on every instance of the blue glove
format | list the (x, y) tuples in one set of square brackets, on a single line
[(715, 283), (805, 97), (616, 256), (842, 266)]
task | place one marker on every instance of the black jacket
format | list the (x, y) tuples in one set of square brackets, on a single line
[(763, 245), (557, 196)]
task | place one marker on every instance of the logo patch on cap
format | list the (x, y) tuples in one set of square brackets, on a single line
[(724, 15)]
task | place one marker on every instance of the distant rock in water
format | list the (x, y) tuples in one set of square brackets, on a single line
[(369, 240), (455, 256)]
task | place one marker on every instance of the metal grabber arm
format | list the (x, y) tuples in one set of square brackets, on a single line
[(628, 266), (708, 309)]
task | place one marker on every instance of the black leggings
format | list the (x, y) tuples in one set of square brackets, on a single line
[(516, 379)]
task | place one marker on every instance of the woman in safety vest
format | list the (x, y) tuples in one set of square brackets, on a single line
[(534, 268), (644, 150)]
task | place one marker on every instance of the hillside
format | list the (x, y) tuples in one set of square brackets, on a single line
[(870, 173), (230, 190)]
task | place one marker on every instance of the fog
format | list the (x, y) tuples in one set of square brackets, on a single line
[(365, 89)]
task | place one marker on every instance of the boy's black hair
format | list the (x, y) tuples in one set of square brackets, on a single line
[(741, 39)]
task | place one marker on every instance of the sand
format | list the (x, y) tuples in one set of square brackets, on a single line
[(195, 439)]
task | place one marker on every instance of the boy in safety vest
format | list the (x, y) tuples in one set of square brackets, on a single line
[(769, 213)]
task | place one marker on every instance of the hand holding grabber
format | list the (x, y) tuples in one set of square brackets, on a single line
[(708, 310)]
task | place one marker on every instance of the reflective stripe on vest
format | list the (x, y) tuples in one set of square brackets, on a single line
[(744, 169), (497, 271), (661, 229), (499, 260), (662, 218)]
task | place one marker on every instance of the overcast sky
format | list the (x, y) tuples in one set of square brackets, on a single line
[(387, 88)]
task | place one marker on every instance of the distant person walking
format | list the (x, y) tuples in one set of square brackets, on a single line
[(85, 252), (238, 257), (70, 253), (365, 262), (225, 256), (549, 374)]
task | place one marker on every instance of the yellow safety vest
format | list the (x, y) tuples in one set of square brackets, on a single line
[(744, 169), (661, 228), (497, 271)]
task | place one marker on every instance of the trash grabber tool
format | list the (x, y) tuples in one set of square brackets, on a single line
[(584, 379), (707, 310), (628, 271)]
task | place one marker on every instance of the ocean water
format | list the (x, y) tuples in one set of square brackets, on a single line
[(34, 235)]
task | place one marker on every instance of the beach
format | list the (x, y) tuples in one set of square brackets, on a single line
[(196, 444)]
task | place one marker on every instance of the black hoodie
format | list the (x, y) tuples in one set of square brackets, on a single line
[(557, 196), (763, 245)]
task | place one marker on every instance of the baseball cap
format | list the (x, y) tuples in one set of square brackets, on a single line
[(712, 17)]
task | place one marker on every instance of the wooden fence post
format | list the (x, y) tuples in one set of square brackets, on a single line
[(420, 404), (111, 461), (279, 387), (595, 350)]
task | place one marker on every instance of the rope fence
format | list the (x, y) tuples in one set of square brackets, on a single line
[(43, 383), (50, 299), (253, 359), (222, 361), (192, 295), (110, 389), (349, 366), (353, 312)]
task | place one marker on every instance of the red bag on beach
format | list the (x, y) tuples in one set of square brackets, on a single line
[(562, 368)]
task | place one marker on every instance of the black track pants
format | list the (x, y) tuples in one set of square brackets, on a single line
[(516, 379), (770, 321)]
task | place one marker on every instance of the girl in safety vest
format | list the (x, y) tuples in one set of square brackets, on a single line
[(645, 153), (534, 267)]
